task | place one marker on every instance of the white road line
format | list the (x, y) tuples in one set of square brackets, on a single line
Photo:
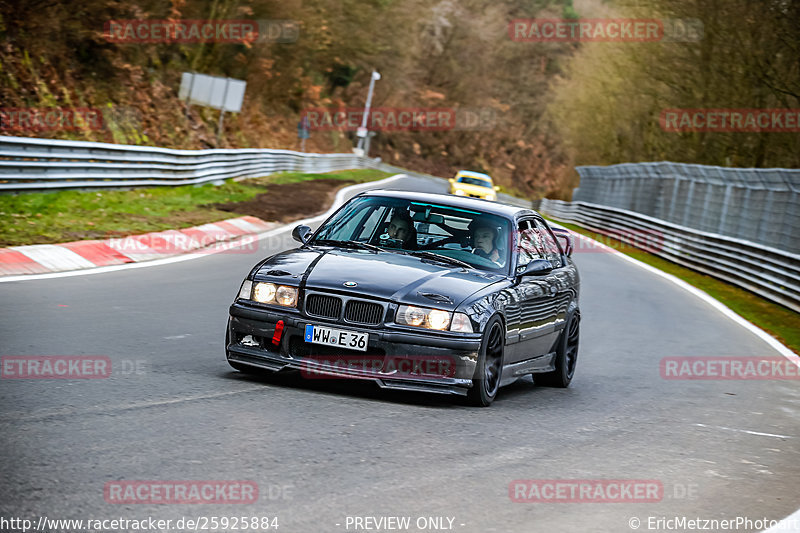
[(188, 257), (126, 407), (791, 523), (746, 431), (716, 304)]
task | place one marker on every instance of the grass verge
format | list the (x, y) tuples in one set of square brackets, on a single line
[(775, 319), (63, 216)]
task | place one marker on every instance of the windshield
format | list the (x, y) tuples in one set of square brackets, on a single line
[(474, 181), (403, 226)]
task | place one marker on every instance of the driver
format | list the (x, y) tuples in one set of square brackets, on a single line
[(484, 239), (401, 228)]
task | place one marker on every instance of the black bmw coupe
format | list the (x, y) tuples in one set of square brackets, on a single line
[(420, 292)]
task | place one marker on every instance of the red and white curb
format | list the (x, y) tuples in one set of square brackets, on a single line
[(238, 235), (80, 255)]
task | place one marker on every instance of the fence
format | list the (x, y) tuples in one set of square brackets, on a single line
[(771, 273), (40, 164), (759, 205)]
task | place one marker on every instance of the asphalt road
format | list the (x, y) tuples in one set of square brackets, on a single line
[(321, 451)]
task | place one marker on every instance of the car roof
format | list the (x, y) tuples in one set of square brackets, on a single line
[(474, 174), (486, 206)]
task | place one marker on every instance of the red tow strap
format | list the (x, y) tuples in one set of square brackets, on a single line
[(276, 338)]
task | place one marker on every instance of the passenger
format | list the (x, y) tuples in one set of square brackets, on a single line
[(485, 237)]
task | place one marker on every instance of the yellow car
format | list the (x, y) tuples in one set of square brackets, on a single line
[(475, 184)]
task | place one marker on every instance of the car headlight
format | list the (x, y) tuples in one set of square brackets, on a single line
[(459, 192), (411, 315), (264, 292), (286, 296), (269, 293)]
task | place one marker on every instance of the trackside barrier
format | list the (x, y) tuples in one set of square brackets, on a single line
[(28, 164), (755, 204), (771, 273)]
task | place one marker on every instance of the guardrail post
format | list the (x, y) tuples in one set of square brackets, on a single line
[(705, 216), (674, 200), (790, 240), (725, 203), (765, 218), (688, 207)]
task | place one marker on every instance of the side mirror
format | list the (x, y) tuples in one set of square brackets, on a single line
[(496, 187), (566, 241), (301, 233), (537, 267), (451, 180)]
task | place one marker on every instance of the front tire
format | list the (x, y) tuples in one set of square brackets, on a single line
[(486, 381), (566, 355)]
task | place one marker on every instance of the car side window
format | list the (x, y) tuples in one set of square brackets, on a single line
[(550, 248), (529, 244)]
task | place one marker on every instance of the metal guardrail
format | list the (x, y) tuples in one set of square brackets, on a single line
[(754, 204), (40, 164), (771, 273)]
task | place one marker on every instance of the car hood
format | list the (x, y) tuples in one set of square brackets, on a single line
[(385, 275)]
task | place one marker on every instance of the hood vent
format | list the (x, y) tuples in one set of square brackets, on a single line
[(439, 298), (277, 273)]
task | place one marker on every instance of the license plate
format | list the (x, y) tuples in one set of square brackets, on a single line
[(352, 340)]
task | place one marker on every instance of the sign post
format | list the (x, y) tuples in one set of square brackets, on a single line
[(189, 91), (362, 131), (222, 110)]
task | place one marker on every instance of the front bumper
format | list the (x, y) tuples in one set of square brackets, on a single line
[(390, 347), (473, 194)]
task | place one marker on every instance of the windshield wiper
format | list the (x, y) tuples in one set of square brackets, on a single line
[(441, 258), (348, 244)]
